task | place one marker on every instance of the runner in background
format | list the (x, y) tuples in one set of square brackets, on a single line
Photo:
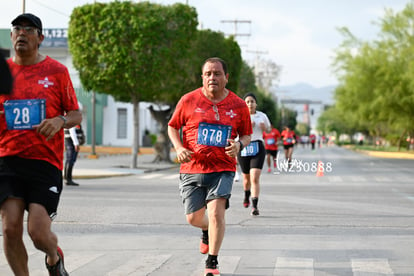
[(289, 140), (312, 139), (271, 145), (251, 158)]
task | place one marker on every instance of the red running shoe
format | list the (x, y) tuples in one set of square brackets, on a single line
[(246, 203), (203, 246), (211, 272)]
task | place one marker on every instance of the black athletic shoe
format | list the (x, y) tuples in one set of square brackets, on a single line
[(211, 269), (59, 268), (255, 212), (71, 183)]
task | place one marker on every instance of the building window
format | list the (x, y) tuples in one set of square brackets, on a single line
[(122, 123)]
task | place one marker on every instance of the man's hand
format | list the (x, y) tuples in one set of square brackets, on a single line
[(233, 148), (184, 155), (49, 127)]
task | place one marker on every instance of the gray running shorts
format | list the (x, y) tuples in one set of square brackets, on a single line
[(197, 189)]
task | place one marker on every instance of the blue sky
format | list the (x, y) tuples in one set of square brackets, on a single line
[(299, 35)]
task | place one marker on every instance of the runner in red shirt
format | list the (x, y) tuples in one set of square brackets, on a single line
[(271, 139), (289, 140), (32, 119), (53, 85), (194, 109), (211, 117), (312, 139)]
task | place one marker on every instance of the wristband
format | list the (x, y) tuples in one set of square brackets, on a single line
[(64, 120), (241, 145)]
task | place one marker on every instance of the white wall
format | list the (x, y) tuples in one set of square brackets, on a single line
[(110, 120)]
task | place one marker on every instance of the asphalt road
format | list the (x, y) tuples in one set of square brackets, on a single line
[(354, 218)]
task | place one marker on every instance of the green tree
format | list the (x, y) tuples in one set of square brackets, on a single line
[(206, 44), (302, 129), (288, 118), (266, 104), (333, 120), (128, 49), (247, 81), (376, 88)]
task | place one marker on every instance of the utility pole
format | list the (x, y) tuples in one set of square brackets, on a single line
[(24, 6), (236, 23), (256, 65), (257, 53)]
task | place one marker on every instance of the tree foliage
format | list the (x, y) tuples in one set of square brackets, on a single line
[(205, 44), (376, 91), (247, 81), (150, 52), (208, 44), (128, 50)]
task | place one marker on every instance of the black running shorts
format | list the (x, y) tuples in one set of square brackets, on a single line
[(252, 162), (272, 153), (34, 181)]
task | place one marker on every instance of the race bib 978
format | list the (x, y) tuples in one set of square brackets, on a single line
[(24, 114), (213, 134)]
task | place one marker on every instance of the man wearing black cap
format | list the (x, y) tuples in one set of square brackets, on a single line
[(32, 118)]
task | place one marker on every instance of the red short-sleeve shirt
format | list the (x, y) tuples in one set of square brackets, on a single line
[(195, 108), (290, 137), (48, 80), (271, 139)]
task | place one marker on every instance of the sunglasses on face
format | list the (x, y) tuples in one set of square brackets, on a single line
[(27, 29)]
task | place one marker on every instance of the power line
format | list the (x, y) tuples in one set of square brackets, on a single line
[(47, 7)]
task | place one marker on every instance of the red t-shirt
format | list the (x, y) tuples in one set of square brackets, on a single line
[(271, 139), (48, 80), (290, 137), (192, 111)]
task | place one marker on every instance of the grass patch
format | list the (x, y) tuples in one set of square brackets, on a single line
[(380, 148)]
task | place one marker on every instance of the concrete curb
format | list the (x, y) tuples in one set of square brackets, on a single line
[(116, 172)]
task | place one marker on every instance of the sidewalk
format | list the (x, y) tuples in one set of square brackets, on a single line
[(116, 161)]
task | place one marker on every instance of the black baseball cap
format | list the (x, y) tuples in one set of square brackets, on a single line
[(33, 19)]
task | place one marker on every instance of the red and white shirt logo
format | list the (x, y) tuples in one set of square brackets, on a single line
[(46, 83)]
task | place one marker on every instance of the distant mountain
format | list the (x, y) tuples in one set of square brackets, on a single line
[(304, 91)]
